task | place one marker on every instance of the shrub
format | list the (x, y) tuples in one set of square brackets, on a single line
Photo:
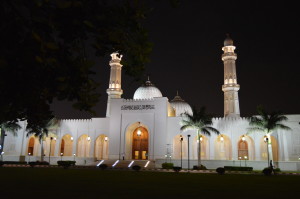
[(277, 170), (177, 169), (103, 166), (201, 167), (267, 171), (136, 167), (14, 162), (66, 164), (32, 164), (167, 165), (220, 170), (232, 168)]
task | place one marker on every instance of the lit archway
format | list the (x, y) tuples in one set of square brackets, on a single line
[(137, 141), (101, 147), (30, 149), (245, 148), (83, 146), (263, 149), (66, 145), (204, 144), (223, 148), (179, 146)]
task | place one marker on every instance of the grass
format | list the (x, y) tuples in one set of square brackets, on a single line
[(95, 183)]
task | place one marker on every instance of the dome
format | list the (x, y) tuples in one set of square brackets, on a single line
[(147, 91), (228, 41), (180, 106)]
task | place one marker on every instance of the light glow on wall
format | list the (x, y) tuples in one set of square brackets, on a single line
[(130, 164), (100, 163), (115, 163), (147, 164)]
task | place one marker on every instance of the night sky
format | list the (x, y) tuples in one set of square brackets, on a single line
[(187, 56)]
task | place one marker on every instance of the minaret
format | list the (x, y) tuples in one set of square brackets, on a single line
[(114, 90), (230, 87)]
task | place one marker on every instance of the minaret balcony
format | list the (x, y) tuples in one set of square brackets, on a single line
[(230, 87)]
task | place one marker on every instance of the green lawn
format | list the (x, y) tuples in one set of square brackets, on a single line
[(95, 183)]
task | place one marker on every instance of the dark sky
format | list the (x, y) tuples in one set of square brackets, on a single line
[(187, 56)]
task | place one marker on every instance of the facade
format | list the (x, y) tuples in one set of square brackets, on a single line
[(147, 128)]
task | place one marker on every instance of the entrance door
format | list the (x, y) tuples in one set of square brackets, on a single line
[(140, 144)]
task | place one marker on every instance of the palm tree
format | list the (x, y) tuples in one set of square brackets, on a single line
[(7, 127), (267, 123), (200, 121), (43, 131)]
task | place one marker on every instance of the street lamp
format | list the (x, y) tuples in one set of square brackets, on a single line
[(266, 140), (189, 151), (51, 138), (181, 139), (61, 155), (2, 155)]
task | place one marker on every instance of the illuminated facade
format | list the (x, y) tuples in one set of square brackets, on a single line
[(147, 128)]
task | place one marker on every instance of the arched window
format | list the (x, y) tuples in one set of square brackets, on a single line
[(31, 146)]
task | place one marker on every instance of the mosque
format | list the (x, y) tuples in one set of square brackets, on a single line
[(146, 130)]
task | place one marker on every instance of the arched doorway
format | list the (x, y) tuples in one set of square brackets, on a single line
[(66, 145), (140, 144), (101, 147), (83, 146), (223, 149), (180, 146), (243, 150), (30, 149), (204, 147), (263, 149)]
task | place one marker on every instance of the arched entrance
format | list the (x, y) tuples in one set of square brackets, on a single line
[(180, 147), (101, 147), (83, 146), (66, 145), (140, 144), (264, 146), (243, 150), (223, 149), (30, 146)]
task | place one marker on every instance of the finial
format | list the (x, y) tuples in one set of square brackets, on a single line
[(148, 78), (177, 93), (116, 56)]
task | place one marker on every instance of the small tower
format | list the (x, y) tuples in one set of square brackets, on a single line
[(114, 90), (230, 87)]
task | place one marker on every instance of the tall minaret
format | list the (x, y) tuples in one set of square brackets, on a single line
[(114, 90), (230, 87)]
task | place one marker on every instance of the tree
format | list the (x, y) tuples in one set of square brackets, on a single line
[(48, 126), (48, 49), (267, 123), (202, 122), (7, 127)]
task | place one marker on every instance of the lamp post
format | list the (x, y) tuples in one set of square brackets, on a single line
[(189, 152), (51, 138), (139, 133), (181, 139), (266, 139), (61, 155), (74, 156), (245, 157), (2, 155), (240, 158)]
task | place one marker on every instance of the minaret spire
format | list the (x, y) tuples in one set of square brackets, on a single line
[(230, 87), (114, 90)]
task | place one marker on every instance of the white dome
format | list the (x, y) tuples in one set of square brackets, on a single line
[(147, 91), (180, 106)]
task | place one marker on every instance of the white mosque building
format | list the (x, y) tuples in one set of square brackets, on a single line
[(146, 129)]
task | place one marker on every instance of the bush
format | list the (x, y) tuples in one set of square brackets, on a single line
[(167, 165), (177, 169), (14, 162), (277, 170), (232, 168), (220, 170), (201, 167), (66, 164), (103, 166), (267, 171), (136, 167), (32, 164)]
